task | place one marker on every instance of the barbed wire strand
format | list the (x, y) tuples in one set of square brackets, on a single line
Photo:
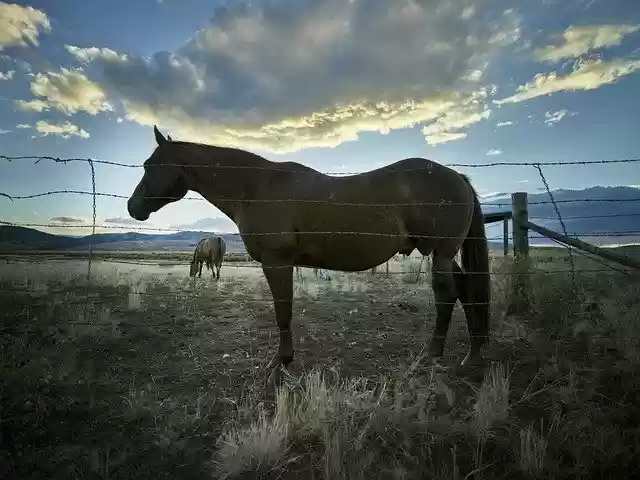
[(564, 228), (593, 258), (249, 167), (315, 201), (614, 233), (254, 264)]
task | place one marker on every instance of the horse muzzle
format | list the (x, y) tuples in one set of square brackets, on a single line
[(135, 212)]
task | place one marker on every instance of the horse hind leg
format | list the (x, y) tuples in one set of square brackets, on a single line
[(474, 313), (445, 293)]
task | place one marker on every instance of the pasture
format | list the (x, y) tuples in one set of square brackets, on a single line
[(158, 375)]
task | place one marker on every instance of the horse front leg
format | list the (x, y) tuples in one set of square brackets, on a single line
[(279, 275)]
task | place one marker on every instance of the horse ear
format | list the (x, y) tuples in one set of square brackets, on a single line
[(159, 137)]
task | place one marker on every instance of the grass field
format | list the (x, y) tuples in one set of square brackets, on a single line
[(146, 373)]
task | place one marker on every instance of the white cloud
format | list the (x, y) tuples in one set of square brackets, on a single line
[(65, 130), (586, 75), (23, 126), (350, 67), (7, 75), (508, 123), (551, 118), (122, 221), (21, 25), (4, 132), (65, 220), (209, 224), (33, 105), (69, 91), (577, 41), (493, 152)]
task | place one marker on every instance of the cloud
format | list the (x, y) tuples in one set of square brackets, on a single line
[(34, 105), (4, 132), (65, 130), (586, 75), (7, 75), (214, 224), (350, 67), (67, 220), (577, 41), (493, 152), (20, 26), (69, 91), (554, 117), (492, 196), (23, 126), (505, 124), (121, 221)]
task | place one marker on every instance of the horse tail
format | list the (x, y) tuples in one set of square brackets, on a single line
[(475, 262), (195, 252)]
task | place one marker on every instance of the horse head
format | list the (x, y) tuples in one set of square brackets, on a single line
[(164, 180)]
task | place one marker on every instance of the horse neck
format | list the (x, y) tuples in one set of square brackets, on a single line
[(225, 187)]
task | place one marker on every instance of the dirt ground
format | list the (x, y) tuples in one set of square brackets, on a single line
[(137, 373)]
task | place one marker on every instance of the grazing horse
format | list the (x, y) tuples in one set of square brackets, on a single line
[(210, 251), (291, 215)]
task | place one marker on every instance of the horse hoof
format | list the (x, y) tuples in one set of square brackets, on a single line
[(473, 359), (436, 348)]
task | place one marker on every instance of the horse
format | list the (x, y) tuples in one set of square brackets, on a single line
[(291, 215), (210, 251)]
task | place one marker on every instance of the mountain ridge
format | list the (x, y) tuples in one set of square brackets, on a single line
[(615, 221)]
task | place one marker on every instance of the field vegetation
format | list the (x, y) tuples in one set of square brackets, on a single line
[(142, 372)]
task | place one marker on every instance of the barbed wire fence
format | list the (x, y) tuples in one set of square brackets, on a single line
[(538, 166)]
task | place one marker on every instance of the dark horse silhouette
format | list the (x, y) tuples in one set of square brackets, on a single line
[(291, 215)]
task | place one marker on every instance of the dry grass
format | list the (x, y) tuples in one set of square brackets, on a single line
[(163, 377)]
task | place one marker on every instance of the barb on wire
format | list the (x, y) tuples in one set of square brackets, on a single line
[(5, 195), (564, 228)]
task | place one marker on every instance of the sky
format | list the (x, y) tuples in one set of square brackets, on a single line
[(338, 85)]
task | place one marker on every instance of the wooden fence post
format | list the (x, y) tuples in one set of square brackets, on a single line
[(520, 285), (519, 218), (387, 268), (505, 235)]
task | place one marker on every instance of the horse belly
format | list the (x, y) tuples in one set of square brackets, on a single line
[(349, 251)]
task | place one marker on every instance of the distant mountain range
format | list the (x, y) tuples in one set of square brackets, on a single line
[(580, 216), (611, 222)]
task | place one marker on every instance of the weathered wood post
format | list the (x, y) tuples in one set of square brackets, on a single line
[(387, 269), (505, 235), (520, 285)]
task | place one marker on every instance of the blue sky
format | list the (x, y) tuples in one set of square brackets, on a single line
[(340, 85)]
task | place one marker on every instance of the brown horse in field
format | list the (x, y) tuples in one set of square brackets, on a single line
[(210, 251), (291, 215)]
